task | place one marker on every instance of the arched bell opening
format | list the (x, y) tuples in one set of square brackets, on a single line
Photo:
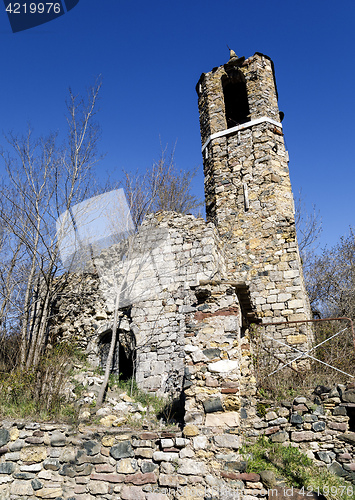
[(235, 98), (124, 353)]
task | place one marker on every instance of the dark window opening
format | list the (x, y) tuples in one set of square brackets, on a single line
[(123, 357), (235, 101), (351, 414)]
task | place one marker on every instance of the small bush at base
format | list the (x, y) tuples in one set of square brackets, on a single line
[(296, 468)]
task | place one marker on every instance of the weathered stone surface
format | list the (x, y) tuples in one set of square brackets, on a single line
[(161, 456), (227, 419), (4, 436), (212, 405), (337, 469), (122, 450), (279, 437), (58, 439), (172, 480), (339, 426), (127, 466), (51, 464), (68, 470), (91, 447), (132, 493), (98, 488), (200, 442), (157, 496), (49, 493), (227, 441), (251, 476), (296, 419), (31, 468), (7, 468), (23, 475), (108, 441), (143, 452), (21, 488), (148, 466), (339, 411), (139, 478), (212, 353), (36, 484), (349, 437), (271, 415), (302, 436), (349, 396), (318, 426), (224, 366), (14, 434), (191, 467), (190, 430), (17, 445), (268, 478), (33, 454)]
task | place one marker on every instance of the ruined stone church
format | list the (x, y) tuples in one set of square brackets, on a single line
[(192, 286)]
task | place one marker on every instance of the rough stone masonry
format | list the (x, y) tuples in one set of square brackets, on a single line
[(192, 287)]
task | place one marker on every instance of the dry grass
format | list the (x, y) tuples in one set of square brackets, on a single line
[(302, 378)]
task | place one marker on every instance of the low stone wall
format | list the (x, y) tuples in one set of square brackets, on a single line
[(60, 462), (321, 427), (55, 461)]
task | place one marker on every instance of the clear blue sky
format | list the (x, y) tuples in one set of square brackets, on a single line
[(150, 56)]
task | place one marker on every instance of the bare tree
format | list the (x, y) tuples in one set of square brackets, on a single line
[(161, 187), (43, 180), (331, 279), (308, 225)]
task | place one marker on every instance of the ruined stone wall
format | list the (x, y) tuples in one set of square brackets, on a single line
[(152, 274), (248, 191), (46, 460), (57, 461)]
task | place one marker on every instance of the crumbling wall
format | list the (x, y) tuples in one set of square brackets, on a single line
[(248, 192), (153, 274)]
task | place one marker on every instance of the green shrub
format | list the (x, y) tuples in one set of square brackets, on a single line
[(296, 468)]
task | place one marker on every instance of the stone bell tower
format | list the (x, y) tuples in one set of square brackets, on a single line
[(247, 186)]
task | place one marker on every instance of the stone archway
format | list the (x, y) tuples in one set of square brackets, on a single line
[(124, 354)]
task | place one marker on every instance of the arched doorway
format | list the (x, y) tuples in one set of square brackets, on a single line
[(124, 354)]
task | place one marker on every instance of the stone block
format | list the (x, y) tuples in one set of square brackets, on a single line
[(279, 437), (132, 493), (318, 426), (126, 466), (7, 468), (226, 419), (200, 442), (212, 405), (4, 437), (302, 436), (161, 456), (122, 450), (33, 454), (51, 464), (227, 441), (21, 488), (172, 480), (296, 339), (143, 452), (191, 467), (190, 430), (139, 478), (224, 366), (58, 439)]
